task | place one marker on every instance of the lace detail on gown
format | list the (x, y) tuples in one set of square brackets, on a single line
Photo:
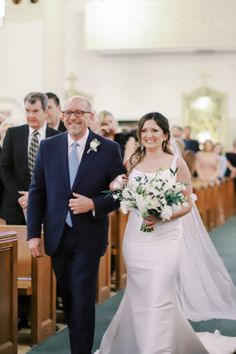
[(149, 319)]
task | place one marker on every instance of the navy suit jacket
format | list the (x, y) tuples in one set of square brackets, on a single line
[(50, 192)]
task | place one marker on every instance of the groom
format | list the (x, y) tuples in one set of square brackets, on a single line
[(65, 195)]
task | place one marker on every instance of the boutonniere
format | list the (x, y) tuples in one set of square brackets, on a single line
[(94, 145)]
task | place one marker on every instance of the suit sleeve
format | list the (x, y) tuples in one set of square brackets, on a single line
[(104, 205), (37, 198), (7, 165)]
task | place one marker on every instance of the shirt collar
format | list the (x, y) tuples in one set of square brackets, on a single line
[(42, 130), (81, 141)]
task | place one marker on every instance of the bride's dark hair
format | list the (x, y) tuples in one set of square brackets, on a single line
[(140, 151)]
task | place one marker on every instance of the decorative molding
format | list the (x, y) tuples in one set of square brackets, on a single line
[(205, 110)]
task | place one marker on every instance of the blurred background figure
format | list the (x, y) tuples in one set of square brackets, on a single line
[(108, 127), (189, 143), (176, 131), (190, 158), (176, 134), (207, 163), (218, 149), (2, 118), (54, 113), (231, 158), (3, 129), (93, 123)]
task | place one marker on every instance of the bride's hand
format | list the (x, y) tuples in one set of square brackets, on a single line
[(151, 220), (119, 182)]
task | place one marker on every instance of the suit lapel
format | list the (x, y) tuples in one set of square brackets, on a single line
[(23, 146), (62, 150), (86, 160)]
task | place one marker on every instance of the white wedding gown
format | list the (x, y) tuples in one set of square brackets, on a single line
[(149, 319)]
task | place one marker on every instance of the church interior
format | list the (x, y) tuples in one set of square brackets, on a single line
[(129, 58)]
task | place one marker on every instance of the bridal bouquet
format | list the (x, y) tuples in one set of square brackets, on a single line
[(160, 197)]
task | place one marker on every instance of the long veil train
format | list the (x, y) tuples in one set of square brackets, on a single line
[(205, 289)]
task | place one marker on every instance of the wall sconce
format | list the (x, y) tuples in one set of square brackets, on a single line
[(19, 1)]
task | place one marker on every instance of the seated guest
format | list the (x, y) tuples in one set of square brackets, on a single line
[(54, 113), (231, 158), (3, 129), (207, 163), (176, 131), (218, 148), (190, 144), (190, 159), (108, 127)]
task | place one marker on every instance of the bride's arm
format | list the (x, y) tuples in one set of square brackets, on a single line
[(184, 176), (119, 182)]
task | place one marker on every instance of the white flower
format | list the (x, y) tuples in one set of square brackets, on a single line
[(94, 145), (166, 213), (161, 196)]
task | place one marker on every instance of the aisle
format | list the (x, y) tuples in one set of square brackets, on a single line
[(224, 239)]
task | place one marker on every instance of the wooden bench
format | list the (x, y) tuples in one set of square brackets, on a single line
[(35, 279), (8, 293)]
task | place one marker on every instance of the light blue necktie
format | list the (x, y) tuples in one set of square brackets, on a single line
[(73, 168)]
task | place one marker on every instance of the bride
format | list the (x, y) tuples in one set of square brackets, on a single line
[(152, 316)]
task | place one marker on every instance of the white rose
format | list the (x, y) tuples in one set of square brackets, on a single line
[(166, 213)]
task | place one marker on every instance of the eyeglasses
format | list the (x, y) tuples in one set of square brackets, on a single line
[(77, 114)]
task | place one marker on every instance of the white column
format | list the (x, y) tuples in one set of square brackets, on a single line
[(53, 47)]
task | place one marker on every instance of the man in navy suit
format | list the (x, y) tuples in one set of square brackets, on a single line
[(77, 240)]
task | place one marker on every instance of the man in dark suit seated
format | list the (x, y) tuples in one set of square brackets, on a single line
[(190, 144), (66, 196), (54, 112), (18, 155)]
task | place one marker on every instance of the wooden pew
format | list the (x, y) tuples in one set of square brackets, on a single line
[(8, 293), (229, 197), (35, 278)]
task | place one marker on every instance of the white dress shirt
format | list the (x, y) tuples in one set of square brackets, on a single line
[(41, 134)]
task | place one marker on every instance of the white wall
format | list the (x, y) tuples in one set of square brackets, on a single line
[(39, 53), (132, 84)]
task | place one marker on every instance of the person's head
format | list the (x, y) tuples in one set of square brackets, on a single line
[(54, 110), (176, 131), (218, 148), (36, 109), (2, 118), (107, 124), (3, 129), (208, 146), (76, 116), (186, 132), (153, 133)]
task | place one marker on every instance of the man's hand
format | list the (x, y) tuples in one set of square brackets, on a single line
[(35, 247), (23, 200), (80, 204)]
